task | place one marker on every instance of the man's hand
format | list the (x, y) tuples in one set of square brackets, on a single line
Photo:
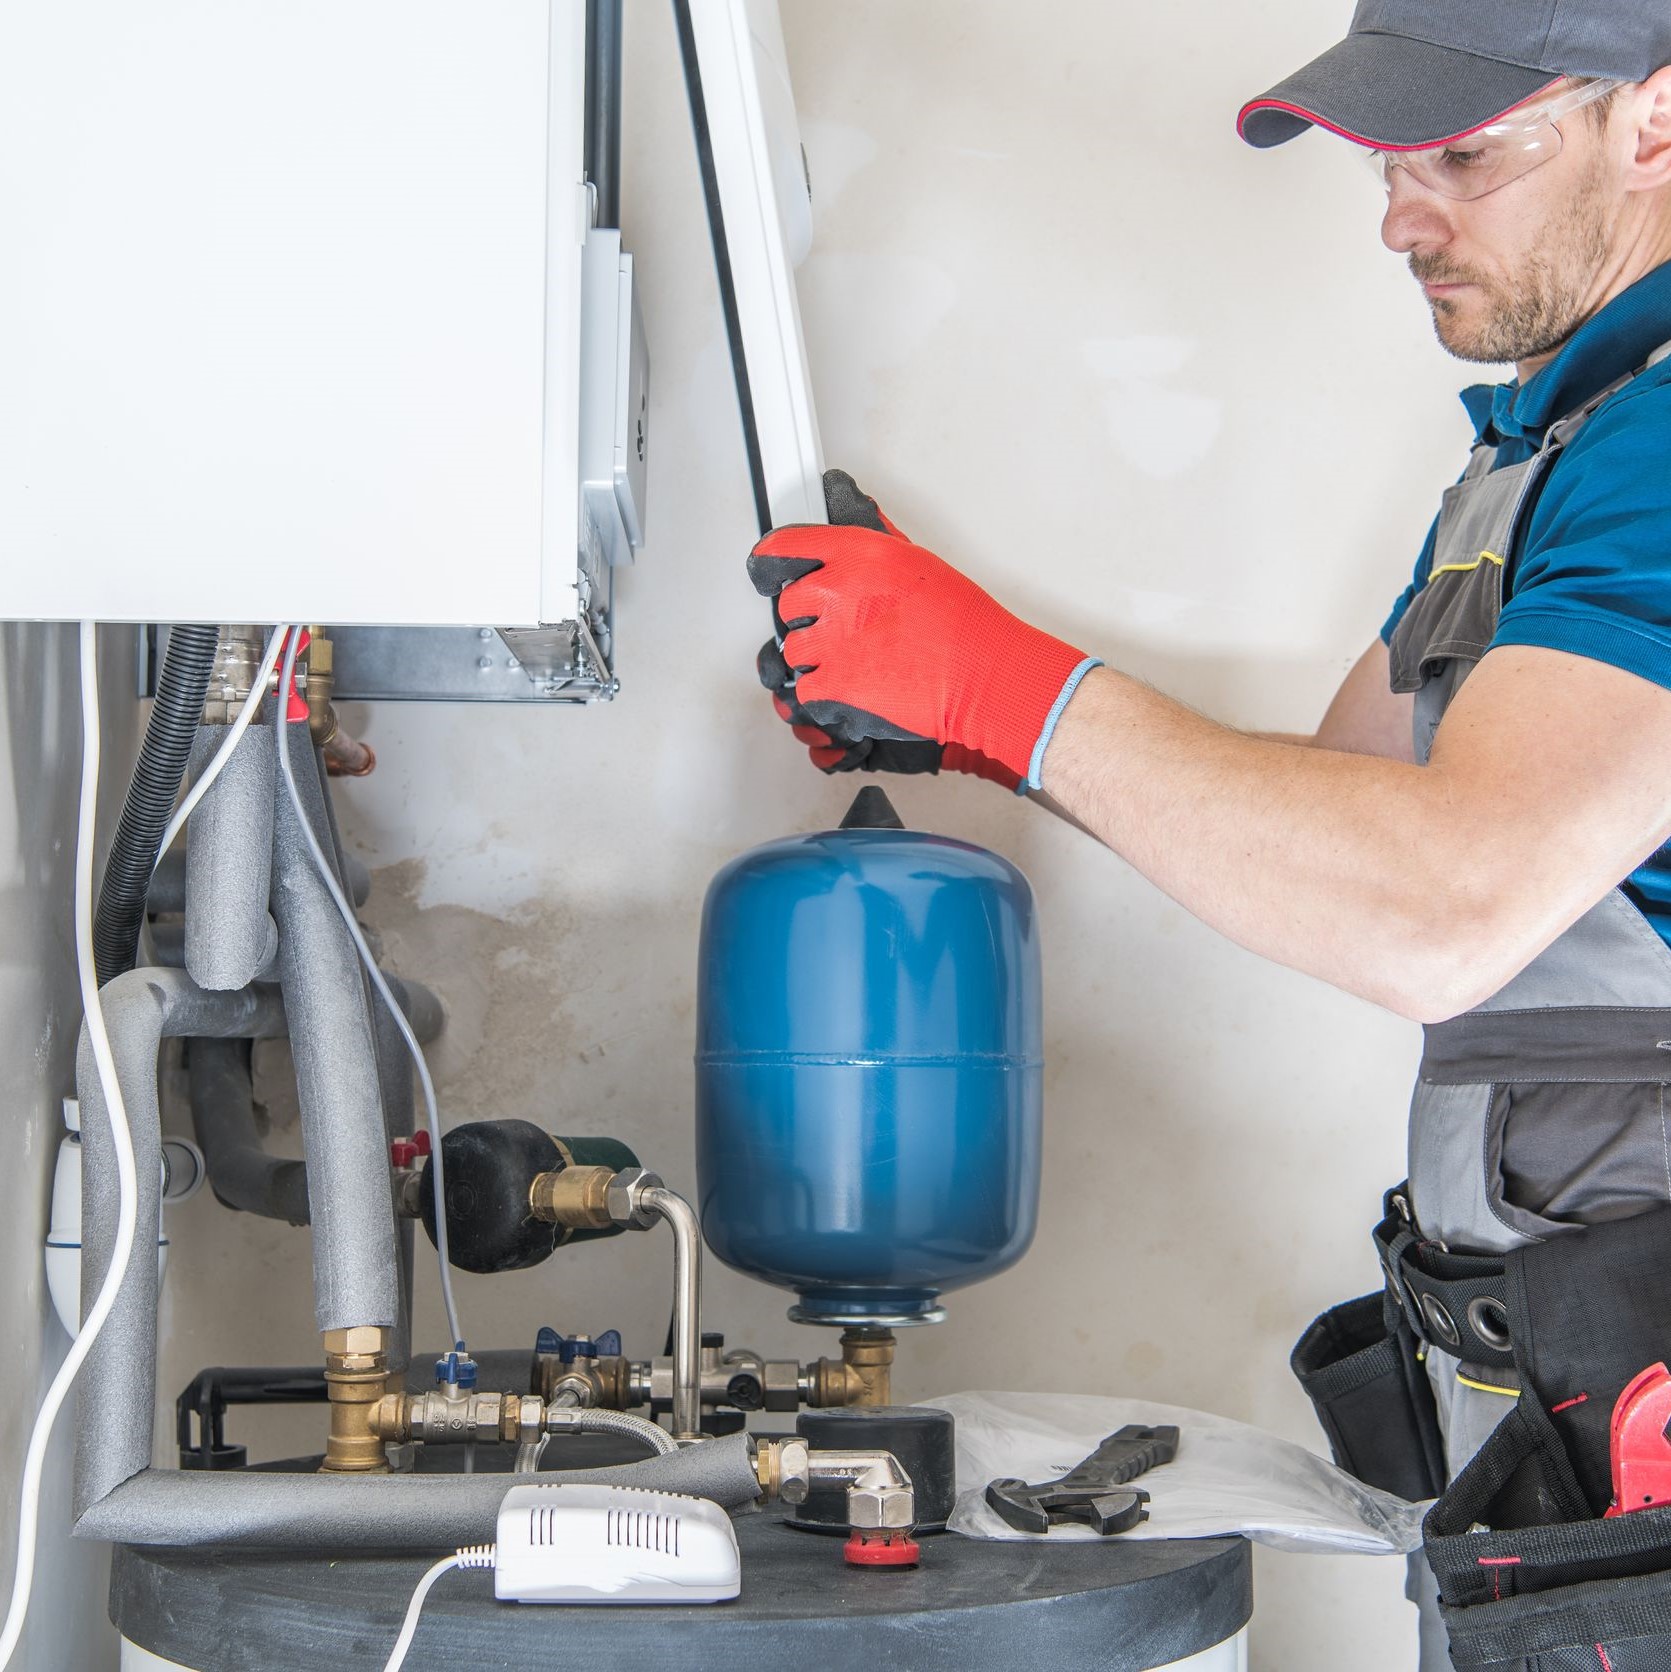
[(888, 659)]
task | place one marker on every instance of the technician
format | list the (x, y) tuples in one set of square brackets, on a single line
[(1475, 836)]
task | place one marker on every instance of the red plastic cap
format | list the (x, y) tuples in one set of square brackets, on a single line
[(403, 1152), (420, 1141), (883, 1550)]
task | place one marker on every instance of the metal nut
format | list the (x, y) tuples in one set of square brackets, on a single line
[(624, 1198), (364, 1339), (781, 1379), (577, 1386), (881, 1507), (794, 1470), (530, 1417)]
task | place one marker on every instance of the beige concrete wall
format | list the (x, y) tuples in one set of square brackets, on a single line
[(1164, 395)]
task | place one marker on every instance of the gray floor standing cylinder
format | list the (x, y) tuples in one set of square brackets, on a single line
[(115, 1410), (356, 1277), (229, 862)]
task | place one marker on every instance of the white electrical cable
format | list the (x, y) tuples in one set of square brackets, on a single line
[(246, 714), (432, 1116), (127, 1181), (473, 1556)]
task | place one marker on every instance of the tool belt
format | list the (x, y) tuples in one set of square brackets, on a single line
[(1526, 1563), (1456, 1303)]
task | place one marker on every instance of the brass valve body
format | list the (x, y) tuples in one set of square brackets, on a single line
[(609, 1380), (862, 1376), (356, 1373), (437, 1418), (322, 717), (574, 1197)]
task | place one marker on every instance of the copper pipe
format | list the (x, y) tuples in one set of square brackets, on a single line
[(345, 756)]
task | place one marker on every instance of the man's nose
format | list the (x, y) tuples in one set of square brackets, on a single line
[(1415, 216)]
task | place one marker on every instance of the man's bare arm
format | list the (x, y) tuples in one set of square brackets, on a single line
[(1421, 889), (1364, 717), (1367, 717)]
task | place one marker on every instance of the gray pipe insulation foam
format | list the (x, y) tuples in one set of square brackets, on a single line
[(116, 1407), (230, 935), (322, 999), (354, 1083), (356, 1280), (260, 1509)]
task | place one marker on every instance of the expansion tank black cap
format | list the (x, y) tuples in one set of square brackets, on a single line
[(490, 1165), (872, 810)]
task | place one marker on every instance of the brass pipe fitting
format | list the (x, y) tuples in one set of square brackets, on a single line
[(868, 1354), (783, 1468), (345, 756), (608, 1381), (863, 1375), (827, 1383), (322, 718), (391, 1418), (574, 1197), (439, 1418), (356, 1375)]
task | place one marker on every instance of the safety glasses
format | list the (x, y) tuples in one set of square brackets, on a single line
[(1485, 161)]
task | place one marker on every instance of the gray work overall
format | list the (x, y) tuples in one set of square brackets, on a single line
[(1544, 1108)]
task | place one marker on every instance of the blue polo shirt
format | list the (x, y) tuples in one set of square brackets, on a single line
[(1592, 571)]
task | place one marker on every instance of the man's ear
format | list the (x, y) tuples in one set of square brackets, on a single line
[(1650, 107)]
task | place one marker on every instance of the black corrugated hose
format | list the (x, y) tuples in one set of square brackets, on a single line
[(181, 687)]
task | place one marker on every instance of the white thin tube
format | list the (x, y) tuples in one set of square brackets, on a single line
[(127, 1181), (470, 1556), (246, 714), (432, 1115)]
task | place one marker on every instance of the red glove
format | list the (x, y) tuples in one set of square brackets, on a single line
[(882, 642)]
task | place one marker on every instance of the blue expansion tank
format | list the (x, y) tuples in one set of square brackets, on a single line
[(869, 1069)]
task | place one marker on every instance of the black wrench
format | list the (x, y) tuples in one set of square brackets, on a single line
[(1090, 1491)]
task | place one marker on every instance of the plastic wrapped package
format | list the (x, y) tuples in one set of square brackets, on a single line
[(1227, 1477)]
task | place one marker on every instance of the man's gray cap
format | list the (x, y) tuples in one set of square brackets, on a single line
[(1413, 73)]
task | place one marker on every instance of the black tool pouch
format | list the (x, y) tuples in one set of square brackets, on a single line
[(1529, 1570), (1358, 1366)]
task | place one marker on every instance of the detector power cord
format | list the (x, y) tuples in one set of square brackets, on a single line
[(281, 705), (470, 1556), (127, 1180)]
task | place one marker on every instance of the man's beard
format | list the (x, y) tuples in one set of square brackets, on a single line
[(1538, 308)]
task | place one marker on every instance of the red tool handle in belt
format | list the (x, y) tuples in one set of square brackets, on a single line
[(1641, 1451)]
